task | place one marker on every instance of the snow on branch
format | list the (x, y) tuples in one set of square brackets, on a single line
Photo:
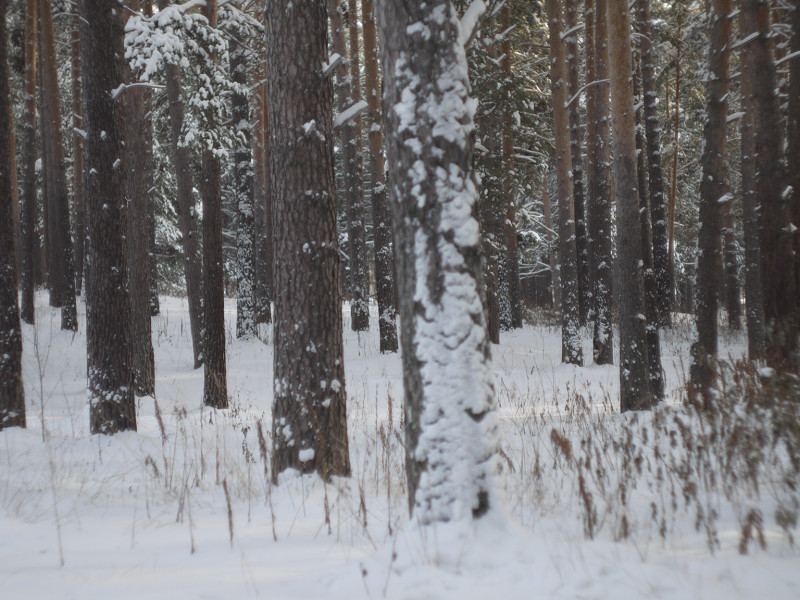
[(583, 89), (333, 62), (469, 22), (350, 113), (744, 41)]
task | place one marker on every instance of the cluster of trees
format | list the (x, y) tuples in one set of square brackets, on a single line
[(233, 102)]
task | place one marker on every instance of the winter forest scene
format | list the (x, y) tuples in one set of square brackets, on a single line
[(407, 299)]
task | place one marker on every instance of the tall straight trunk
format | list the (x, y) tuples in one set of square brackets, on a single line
[(215, 383), (309, 422), (137, 186), (555, 281), (15, 204), (449, 395), (576, 153), (571, 351), (28, 216), (655, 176), (78, 205), (186, 209), (381, 218), (600, 201), (42, 264), (112, 406), (793, 154), (262, 203), (673, 193), (61, 268), (12, 392), (155, 305), (243, 184), (633, 362), (714, 191), (656, 376), (780, 301), (733, 306), (353, 173)]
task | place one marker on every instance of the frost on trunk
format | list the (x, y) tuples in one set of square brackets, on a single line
[(451, 431), (571, 351), (108, 342), (12, 394)]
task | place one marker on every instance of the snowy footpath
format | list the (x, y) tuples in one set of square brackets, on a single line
[(594, 504)]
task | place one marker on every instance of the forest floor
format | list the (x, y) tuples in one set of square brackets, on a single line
[(593, 504)]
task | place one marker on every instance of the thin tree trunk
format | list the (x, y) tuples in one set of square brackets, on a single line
[(633, 362), (28, 217), (12, 392), (381, 218), (673, 193), (553, 255), (571, 351), (262, 205), (155, 305), (112, 406), (186, 209), (61, 268), (309, 422), (600, 202), (780, 304), (793, 154), (78, 205), (733, 306), (449, 397)]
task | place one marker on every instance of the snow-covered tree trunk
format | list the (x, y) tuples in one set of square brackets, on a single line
[(12, 393), (28, 213), (108, 343), (571, 351), (309, 419), (634, 384), (451, 420), (381, 217), (780, 304)]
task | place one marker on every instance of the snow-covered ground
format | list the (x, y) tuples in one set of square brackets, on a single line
[(183, 508)]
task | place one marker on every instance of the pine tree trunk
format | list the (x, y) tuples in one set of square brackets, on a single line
[(381, 218), (555, 282), (576, 153), (633, 363), (262, 205), (243, 184), (78, 205), (309, 411), (215, 383), (793, 154), (28, 216), (571, 351), (111, 401), (61, 266), (780, 304), (137, 184), (12, 392), (449, 395), (155, 305), (186, 209), (733, 306)]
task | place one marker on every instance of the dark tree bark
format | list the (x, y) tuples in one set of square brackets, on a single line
[(353, 172), (78, 205), (449, 397), (381, 218), (576, 153), (555, 279), (571, 351), (262, 205), (137, 185), (633, 362), (730, 267), (793, 154), (108, 341), (655, 177), (780, 302), (28, 216), (215, 382), (186, 209), (61, 273), (309, 412), (243, 183), (155, 305), (12, 392)]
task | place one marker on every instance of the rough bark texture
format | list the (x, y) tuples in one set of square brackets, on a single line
[(450, 413), (633, 362), (309, 412), (110, 388), (262, 204), (12, 393), (780, 303), (78, 204), (243, 185), (61, 278), (547, 207), (576, 154), (730, 267), (571, 351), (655, 177), (794, 138), (215, 383), (137, 184), (28, 214), (353, 173), (155, 305), (381, 218)]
